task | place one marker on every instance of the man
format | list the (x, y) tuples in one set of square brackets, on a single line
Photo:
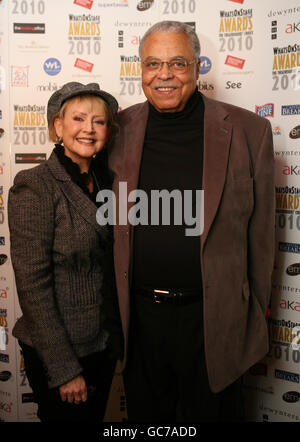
[(196, 304)]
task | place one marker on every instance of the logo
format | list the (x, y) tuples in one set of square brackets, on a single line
[(2, 241), (289, 247), (266, 110), (274, 29), (143, 5), (85, 65), (293, 269), (295, 133), (235, 62), (5, 375), (291, 170), (291, 109), (237, 1), (205, 65), (287, 376), (232, 85), (276, 130), (52, 66), (27, 158), (286, 58), (292, 27), (3, 293), (291, 397), (19, 76), (29, 28), (287, 305), (84, 3)]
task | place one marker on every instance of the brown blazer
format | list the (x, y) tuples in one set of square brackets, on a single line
[(237, 244)]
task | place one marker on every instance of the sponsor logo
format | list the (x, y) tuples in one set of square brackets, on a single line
[(5, 375), (19, 76), (283, 12), (266, 110), (83, 64), (233, 85), (49, 87), (3, 293), (293, 269), (291, 397), (274, 29), (286, 59), (287, 376), (2, 241), (289, 247), (235, 62), (295, 133), (290, 170), (26, 158), (29, 28), (5, 407), (205, 65), (84, 3), (289, 305), (292, 27), (52, 66), (276, 130), (4, 358), (237, 1), (205, 86), (2, 131), (143, 5), (291, 109), (114, 3), (3, 258), (27, 397)]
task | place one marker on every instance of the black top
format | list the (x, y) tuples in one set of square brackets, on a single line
[(164, 257), (101, 175)]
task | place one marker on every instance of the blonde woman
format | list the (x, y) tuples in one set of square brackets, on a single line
[(63, 259)]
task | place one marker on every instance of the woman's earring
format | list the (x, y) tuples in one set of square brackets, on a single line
[(59, 139)]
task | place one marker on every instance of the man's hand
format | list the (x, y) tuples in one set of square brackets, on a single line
[(74, 390)]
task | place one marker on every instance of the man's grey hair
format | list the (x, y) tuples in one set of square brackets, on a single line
[(174, 26)]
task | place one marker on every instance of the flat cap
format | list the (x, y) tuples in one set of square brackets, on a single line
[(74, 89)]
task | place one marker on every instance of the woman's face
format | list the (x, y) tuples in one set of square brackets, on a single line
[(83, 128)]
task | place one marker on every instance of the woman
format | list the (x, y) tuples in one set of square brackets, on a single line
[(63, 259)]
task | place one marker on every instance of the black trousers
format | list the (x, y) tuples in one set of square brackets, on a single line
[(98, 371), (165, 378)]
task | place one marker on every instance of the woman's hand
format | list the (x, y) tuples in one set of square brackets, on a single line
[(74, 390)]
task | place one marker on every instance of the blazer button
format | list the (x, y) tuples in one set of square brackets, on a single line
[(125, 275)]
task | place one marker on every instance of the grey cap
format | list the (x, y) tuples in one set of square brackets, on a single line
[(73, 89)]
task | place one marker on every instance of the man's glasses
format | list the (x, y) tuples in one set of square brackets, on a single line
[(177, 65)]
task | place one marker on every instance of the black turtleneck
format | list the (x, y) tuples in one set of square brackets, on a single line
[(164, 257)]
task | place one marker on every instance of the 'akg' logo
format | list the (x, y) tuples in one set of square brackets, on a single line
[(52, 66)]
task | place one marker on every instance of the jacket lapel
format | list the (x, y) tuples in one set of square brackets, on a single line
[(217, 137), (77, 198)]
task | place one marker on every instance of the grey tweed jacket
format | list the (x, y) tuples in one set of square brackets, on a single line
[(58, 253)]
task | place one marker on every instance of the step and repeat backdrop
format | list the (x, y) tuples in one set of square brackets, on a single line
[(250, 56)]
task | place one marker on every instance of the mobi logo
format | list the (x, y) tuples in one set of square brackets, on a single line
[(143, 5), (295, 133), (52, 66), (266, 110)]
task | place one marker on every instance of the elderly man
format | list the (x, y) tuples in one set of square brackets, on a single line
[(196, 304)]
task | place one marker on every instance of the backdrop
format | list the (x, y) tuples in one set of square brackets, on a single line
[(250, 56)]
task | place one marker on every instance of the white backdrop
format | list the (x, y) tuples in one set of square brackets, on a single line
[(250, 57)]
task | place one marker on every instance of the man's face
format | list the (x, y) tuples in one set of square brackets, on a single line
[(167, 91)]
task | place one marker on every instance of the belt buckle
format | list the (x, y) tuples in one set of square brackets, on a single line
[(157, 292)]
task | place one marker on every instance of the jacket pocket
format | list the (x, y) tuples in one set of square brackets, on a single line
[(82, 323)]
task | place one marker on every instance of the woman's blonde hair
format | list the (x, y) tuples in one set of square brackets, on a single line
[(111, 122)]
